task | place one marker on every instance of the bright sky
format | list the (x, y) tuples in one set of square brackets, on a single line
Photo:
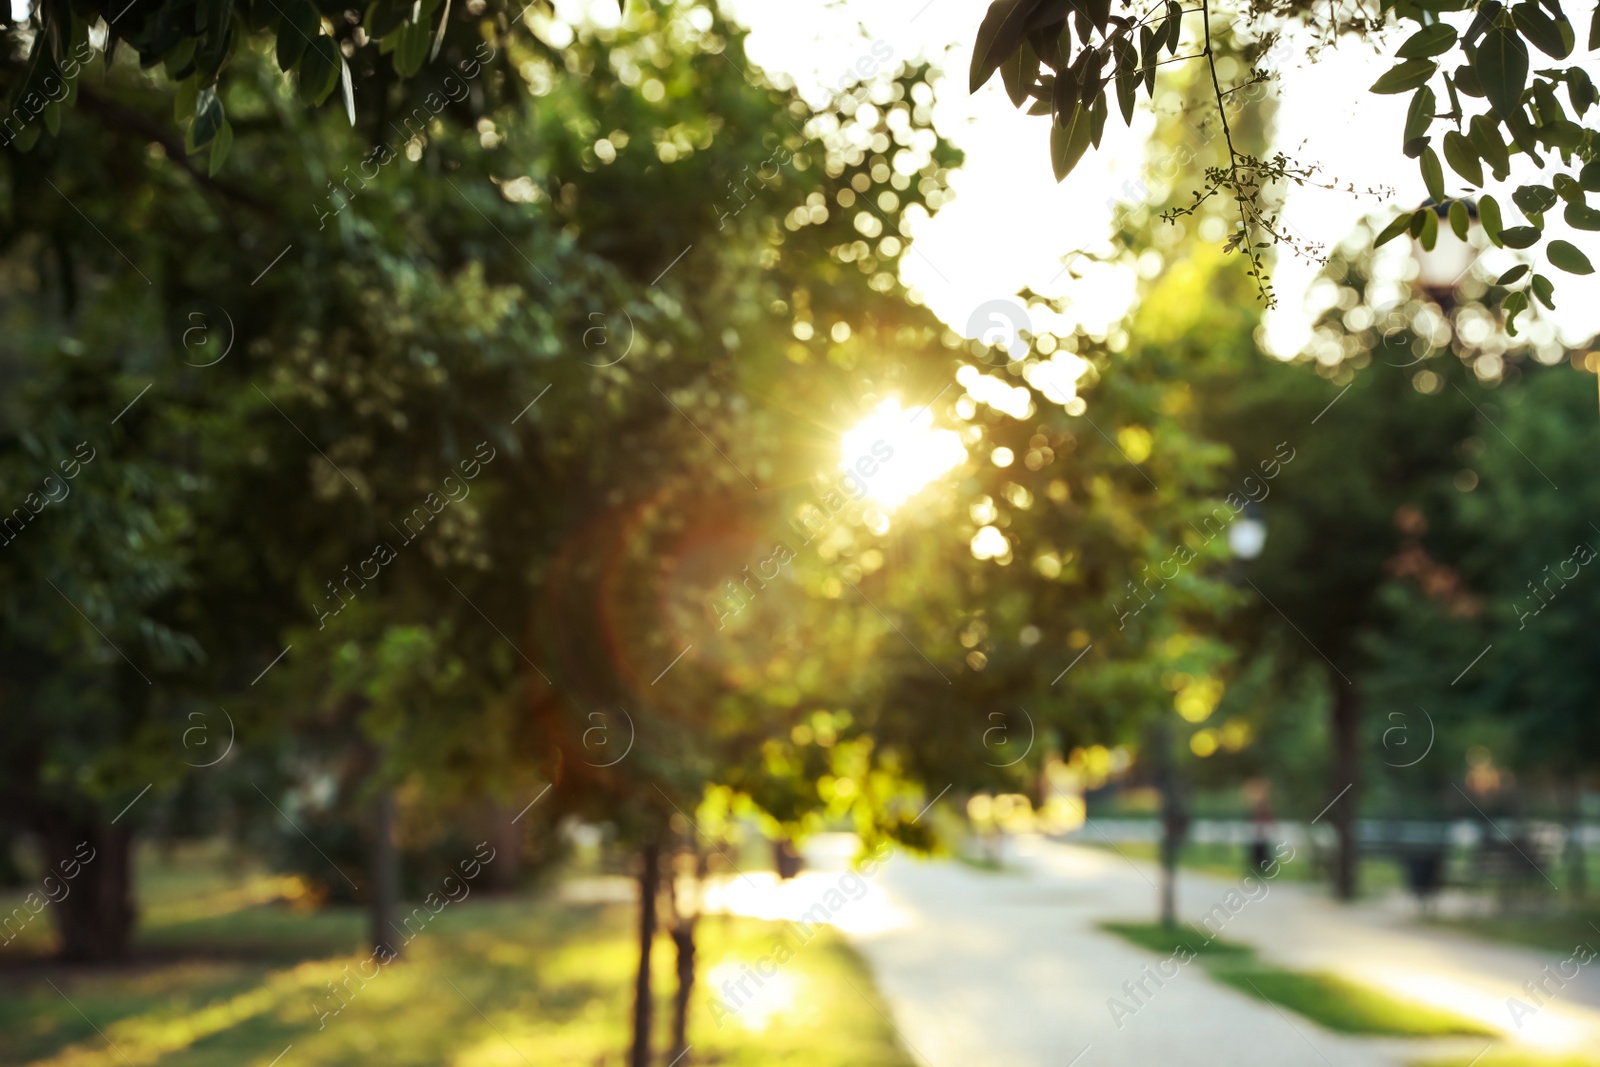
[(1011, 226)]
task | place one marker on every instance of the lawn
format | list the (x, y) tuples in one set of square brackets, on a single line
[(1513, 1058), (1559, 932), (220, 980), (1333, 1002)]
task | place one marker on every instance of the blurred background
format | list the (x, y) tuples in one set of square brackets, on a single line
[(665, 537)]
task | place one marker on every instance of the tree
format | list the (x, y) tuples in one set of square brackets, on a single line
[(547, 234), (1521, 548)]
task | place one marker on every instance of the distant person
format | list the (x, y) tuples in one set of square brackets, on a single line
[(1258, 792)]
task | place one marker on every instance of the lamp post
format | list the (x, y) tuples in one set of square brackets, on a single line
[(1440, 268), (1247, 536)]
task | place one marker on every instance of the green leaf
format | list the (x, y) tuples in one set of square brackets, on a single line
[(1520, 236), (1534, 199), (1581, 90), (319, 69), (1430, 230), (1406, 77), (1486, 15), (178, 61), (1420, 114), (1432, 173), (1127, 77), (383, 17), (1501, 64), (1399, 226), (411, 48), (1511, 276), (1099, 12), (1545, 290), (183, 100), (1594, 29), (1589, 176), (1582, 217), (220, 144), (1097, 118), (1567, 188), (1522, 135), (1069, 140), (1173, 25), (1459, 220), (1552, 37), (1568, 257), (998, 36), (1149, 53), (1563, 135), (349, 90), (212, 15), (1515, 305), (1485, 137), (208, 119), (1428, 41), (1489, 218), (1462, 159), (438, 42), (1019, 72), (296, 30)]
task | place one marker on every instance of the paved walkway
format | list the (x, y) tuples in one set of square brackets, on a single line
[(1008, 969)]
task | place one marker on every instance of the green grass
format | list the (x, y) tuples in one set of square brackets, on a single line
[(1554, 933), (1165, 941), (1328, 1000), (1512, 1058), (489, 983)]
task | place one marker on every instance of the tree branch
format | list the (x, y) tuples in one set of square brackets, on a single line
[(128, 121)]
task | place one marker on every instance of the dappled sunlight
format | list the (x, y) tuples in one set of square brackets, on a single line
[(264, 889), (1550, 1028), (151, 1037), (846, 901), (774, 998)]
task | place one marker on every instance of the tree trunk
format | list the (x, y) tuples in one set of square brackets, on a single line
[(89, 879), (683, 928), (683, 941), (1174, 823), (385, 875), (1346, 789), (649, 880), (507, 838)]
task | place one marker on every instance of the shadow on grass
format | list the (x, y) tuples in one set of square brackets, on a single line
[(488, 983), (1328, 1000)]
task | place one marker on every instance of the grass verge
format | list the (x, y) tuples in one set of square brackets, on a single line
[(1512, 1058), (1553, 933), (507, 982), (1328, 1000)]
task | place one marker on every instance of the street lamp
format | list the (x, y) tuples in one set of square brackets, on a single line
[(1247, 536), (1440, 268)]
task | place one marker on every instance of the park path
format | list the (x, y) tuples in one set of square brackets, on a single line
[(1008, 969)]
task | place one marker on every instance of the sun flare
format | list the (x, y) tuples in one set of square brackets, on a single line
[(895, 454)]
